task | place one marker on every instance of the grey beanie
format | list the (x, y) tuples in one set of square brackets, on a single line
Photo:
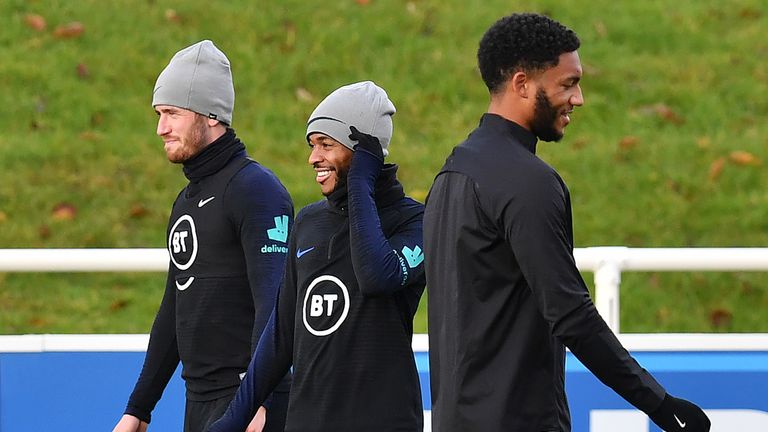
[(198, 78), (363, 105)]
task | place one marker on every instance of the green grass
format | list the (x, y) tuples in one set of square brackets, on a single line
[(680, 86)]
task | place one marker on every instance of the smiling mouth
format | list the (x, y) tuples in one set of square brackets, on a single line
[(322, 174)]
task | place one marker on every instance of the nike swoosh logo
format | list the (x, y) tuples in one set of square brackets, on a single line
[(185, 285), (682, 425), (300, 253), (205, 201)]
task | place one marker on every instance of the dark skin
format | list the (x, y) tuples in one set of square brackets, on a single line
[(331, 161), (517, 101)]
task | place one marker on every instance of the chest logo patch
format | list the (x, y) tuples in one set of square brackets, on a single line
[(414, 256), (300, 253), (182, 242), (326, 305), (280, 231), (205, 201)]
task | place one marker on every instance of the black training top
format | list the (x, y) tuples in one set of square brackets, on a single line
[(227, 239), (505, 294), (344, 315)]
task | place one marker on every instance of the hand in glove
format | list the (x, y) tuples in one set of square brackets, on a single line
[(679, 415), (367, 143)]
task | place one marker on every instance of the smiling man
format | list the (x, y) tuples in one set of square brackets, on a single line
[(505, 296), (227, 238), (344, 318)]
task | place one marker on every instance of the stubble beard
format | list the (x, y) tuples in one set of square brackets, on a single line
[(193, 142), (544, 118), (341, 180)]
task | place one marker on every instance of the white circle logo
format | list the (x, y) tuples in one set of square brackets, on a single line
[(322, 312), (182, 242)]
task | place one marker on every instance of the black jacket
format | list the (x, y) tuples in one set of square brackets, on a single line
[(506, 296), (227, 239), (344, 317)]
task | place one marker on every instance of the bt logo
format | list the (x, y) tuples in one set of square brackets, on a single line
[(318, 301), (179, 241), (182, 247), (326, 305), (182, 242)]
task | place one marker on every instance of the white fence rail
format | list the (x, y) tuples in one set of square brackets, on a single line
[(607, 263)]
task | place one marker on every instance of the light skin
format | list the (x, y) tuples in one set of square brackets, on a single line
[(185, 133), (331, 161), (517, 101), (129, 423)]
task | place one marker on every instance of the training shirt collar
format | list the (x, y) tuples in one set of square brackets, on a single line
[(508, 127), (387, 190)]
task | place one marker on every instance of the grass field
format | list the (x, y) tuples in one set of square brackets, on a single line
[(668, 151)]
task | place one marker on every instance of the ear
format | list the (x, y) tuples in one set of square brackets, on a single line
[(212, 122), (519, 84)]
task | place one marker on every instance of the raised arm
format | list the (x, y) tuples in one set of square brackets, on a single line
[(382, 265)]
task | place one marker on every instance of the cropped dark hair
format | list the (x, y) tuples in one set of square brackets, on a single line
[(525, 42)]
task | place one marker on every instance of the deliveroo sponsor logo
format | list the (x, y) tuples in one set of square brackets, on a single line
[(280, 231), (414, 256), (279, 234)]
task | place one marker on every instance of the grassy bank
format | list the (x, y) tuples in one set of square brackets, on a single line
[(668, 151)]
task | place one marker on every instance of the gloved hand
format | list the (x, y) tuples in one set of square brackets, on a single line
[(367, 143), (679, 415)]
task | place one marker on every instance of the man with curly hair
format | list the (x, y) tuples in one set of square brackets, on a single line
[(506, 297)]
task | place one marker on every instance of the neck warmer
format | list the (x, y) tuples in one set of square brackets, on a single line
[(387, 190), (213, 157)]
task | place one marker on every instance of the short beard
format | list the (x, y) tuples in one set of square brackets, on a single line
[(341, 175), (544, 118), (195, 142)]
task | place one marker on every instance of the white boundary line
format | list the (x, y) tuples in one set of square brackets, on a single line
[(138, 342)]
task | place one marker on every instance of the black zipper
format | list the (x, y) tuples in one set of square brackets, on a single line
[(344, 227)]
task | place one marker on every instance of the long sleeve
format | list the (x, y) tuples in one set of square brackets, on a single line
[(262, 212), (161, 359), (382, 265), (540, 235), (271, 360)]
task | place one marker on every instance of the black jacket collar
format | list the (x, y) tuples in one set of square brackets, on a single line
[(508, 127)]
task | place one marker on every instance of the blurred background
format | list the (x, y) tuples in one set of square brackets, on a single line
[(669, 149)]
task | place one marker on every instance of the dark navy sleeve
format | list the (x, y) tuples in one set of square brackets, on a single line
[(262, 211), (161, 359), (271, 360), (382, 265), (539, 233)]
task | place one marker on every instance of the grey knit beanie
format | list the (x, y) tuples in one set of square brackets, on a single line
[(198, 78), (363, 105)]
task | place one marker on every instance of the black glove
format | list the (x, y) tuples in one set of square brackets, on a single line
[(679, 415), (367, 143)]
